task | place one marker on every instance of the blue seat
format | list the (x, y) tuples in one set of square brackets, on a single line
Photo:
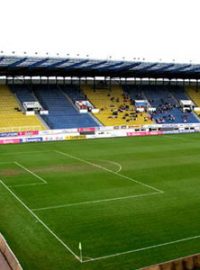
[(62, 113), (23, 93), (158, 97)]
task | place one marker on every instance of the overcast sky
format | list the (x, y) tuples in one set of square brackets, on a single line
[(150, 29)]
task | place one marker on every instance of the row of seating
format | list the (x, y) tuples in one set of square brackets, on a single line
[(166, 101), (194, 94), (11, 118), (62, 112), (115, 104), (116, 109), (23, 93), (74, 92)]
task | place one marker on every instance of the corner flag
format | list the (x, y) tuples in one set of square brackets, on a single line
[(80, 248)]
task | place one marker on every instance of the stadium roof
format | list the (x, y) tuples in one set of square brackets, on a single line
[(38, 66)]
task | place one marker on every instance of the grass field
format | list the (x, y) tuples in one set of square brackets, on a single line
[(131, 202)]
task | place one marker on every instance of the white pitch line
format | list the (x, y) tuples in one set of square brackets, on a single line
[(34, 174), (115, 163), (96, 201), (110, 171), (142, 249), (39, 220)]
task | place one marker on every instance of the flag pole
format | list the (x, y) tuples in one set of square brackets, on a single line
[(81, 255)]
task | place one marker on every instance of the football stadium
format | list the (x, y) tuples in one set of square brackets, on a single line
[(99, 164)]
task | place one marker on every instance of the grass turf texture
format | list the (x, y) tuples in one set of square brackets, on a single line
[(110, 199)]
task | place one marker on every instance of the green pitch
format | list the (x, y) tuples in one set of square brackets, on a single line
[(131, 202)]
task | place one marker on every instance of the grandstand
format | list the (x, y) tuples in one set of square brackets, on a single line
[(116, 100), (116, 106)]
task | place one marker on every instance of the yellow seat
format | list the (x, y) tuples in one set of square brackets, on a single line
[(194, 94), (109, 101), (12, 120)]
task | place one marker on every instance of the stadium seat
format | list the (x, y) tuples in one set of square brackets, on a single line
[(62, 111), (166, 101), (194, 94), (115, 108), (11, 118)]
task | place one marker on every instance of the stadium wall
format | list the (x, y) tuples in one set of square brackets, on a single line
[(8, 254), (95, 133), (185, 263)]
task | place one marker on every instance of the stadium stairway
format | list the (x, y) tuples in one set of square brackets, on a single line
[(11, 118), (115, 108), (62, 112)]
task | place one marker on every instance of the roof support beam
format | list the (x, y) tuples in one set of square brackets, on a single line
[(15, 64), (37, 64), (96, 64), (75, 65), (59, 63), (110, 66), (127, 67)]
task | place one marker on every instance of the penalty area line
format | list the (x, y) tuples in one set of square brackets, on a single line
[(96, 201), (29, 171), (40, 221)]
